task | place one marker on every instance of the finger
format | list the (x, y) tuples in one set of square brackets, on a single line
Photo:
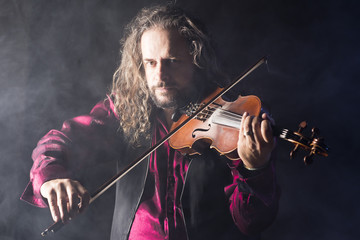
[(84, 198), (266, 131), (54, 210), (73, 200), (248, 129), (62, 202), (265, 116), (244, 116), (256, 125)]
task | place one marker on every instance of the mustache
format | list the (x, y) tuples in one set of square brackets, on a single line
[(164, 85)]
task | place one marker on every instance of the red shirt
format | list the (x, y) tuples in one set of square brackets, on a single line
[(252, 196), (160, 215)]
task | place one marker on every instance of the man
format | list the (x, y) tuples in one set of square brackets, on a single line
[(167, 61)]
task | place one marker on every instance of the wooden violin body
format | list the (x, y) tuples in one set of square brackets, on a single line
[(217, 126)]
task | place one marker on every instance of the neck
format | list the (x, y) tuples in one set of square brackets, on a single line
[(168, 113)]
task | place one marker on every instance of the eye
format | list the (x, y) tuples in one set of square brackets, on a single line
[(173, 60), (150, 63)]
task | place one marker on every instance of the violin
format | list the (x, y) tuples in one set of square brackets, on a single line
[(218, 127), (214, 121)]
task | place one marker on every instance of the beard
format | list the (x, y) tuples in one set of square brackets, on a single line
[(175, 97), (169, 101)]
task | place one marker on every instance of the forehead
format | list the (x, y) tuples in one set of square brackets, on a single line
[(158, 41)]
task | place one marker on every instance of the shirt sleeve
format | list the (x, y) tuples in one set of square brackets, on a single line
[(54, 155), (253, 197)]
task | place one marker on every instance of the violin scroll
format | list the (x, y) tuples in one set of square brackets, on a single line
[(314, 144)]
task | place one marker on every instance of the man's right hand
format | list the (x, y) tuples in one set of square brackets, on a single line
[(66, 198)]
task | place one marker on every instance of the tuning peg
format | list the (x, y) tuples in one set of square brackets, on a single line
[(318, 147), (302, 126), (315, 132), (309, 159), (292, 153)]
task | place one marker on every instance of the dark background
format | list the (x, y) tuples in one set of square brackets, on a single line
[(57, 59)]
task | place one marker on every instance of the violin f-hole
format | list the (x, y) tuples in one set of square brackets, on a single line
[(200, 130)]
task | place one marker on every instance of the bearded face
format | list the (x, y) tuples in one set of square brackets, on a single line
[(168, 65)]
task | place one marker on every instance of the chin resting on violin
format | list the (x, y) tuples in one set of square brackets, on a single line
[(167, 60)]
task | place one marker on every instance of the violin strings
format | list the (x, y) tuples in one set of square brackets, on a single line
[(231, 116), (206, 113), (225, 113)]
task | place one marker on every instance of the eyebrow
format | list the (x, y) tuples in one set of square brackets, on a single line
[(170, 57)]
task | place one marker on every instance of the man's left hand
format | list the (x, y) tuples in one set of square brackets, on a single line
[(256, 141)]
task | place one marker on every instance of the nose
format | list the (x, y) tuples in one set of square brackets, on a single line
[(162, 71)]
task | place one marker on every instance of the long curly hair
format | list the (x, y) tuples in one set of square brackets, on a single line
[(132, 99)]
